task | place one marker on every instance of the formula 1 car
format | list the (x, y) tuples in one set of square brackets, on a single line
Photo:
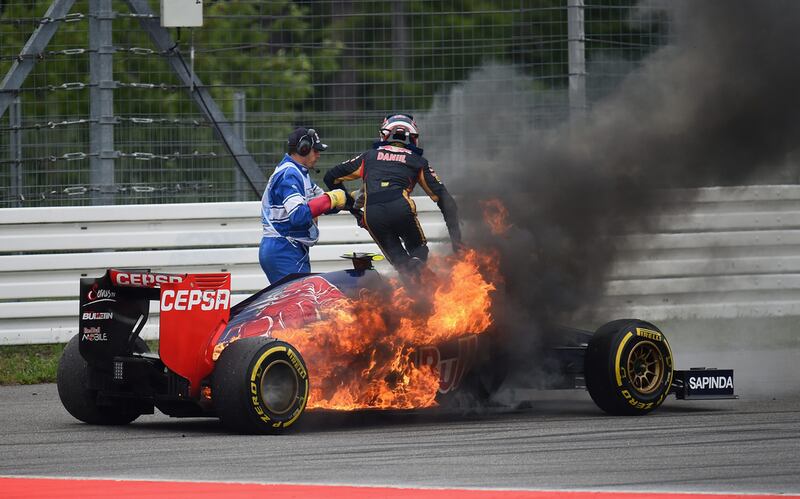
[(221, 361)]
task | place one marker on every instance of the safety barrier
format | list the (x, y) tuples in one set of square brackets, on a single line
[(45, 251), (713, 253)]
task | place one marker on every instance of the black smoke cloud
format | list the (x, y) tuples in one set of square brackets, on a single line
[(717, 106)]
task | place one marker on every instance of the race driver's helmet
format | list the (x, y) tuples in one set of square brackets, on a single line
[(400, 128)]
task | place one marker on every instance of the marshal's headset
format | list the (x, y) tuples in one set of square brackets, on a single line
[(306, 143)]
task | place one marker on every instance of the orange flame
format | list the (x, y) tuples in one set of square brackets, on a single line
[(495, 215), (361, 355)]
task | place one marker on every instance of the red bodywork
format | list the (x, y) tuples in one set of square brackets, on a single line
[(194, 309), (193, 312)]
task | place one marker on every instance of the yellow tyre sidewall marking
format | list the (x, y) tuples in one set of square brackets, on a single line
[(254, 373), (261, 360), (255, 391), (619, 357), (649, 334), (667, 362)]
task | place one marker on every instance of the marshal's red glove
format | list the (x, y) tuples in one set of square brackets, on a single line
[(332, 200)]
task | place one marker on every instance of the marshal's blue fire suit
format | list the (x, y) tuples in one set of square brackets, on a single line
[(289, 229)]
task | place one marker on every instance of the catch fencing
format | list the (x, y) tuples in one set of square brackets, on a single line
[(722, 252), (108, 115)]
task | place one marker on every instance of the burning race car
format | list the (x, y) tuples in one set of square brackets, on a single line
[(368, 343)]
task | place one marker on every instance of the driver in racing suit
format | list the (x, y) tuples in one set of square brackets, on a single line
[(389, 172)]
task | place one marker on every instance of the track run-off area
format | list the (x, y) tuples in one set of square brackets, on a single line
[(558, 444)]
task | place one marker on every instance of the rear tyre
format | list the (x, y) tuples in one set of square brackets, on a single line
[(260, 385), (482, 375), (76, 396), (628, 367), (472, 395)]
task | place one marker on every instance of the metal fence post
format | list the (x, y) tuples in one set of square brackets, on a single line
[(577, 61), (201, 96), (400, 38), (101, 102), (15, 121), (41, 36), (239, 117)]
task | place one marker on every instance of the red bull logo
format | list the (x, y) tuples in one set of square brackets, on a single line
[(451, 370)]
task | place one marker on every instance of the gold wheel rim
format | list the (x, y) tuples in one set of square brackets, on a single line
[(645, 367)]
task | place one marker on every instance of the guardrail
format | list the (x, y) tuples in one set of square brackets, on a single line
[(45, 251), (720, 252), (713, 253)]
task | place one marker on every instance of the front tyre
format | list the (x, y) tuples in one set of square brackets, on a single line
[(628, 367), (260, 385), (76, 396)]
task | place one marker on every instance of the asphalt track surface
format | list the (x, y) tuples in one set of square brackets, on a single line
[(557, 441)]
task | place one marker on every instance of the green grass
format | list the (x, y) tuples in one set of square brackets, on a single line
[(31, 364)]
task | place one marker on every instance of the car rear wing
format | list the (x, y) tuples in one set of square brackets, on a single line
[(115, 307)]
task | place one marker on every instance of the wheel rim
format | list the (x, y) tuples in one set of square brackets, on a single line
[(645, 367), (279, 387)]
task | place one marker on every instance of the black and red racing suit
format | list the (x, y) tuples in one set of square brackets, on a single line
[(389, 174)]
